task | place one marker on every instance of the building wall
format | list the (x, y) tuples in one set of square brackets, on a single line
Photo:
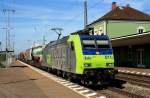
[(99, 28), (147, 56), (123, 28), (121, 56), (126, 56)]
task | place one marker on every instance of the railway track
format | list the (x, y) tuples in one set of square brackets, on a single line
[(134, 79), (113, 92), (117, 90), (125, 93)]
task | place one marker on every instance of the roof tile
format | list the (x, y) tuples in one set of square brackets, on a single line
[(125, 13)]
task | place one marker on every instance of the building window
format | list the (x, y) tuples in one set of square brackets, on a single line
[(101, 31), (140, 29), (96, 33), (140, 57), (130, 53)]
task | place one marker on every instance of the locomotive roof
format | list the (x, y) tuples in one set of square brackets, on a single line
[(96, 37), (82, 36), (62, 40)]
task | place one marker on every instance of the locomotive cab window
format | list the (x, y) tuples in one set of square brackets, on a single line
[(88, 44), (103, 44)]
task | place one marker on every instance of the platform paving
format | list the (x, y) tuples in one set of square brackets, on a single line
[(20, 81), (137, 71)]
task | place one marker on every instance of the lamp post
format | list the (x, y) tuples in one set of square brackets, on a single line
[(0, 46)]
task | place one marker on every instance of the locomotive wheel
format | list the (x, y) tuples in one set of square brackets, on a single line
[(49, 70), (83, 82)]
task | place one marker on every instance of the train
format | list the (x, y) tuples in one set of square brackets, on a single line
[(32, 56), (79, 57)]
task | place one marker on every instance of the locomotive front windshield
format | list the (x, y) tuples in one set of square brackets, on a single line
[(88, 44), (95, 44), (103, 44)]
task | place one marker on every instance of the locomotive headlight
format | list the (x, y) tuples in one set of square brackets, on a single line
[(87, 65), (109, 64)]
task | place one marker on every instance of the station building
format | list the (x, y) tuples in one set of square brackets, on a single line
[(129, 30)]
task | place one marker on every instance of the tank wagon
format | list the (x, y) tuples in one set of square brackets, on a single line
[(28, 58), (22, 56), (36, 54), (32, 56), (85, 58)]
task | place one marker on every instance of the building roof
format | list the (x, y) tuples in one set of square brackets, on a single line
[(125, 13)]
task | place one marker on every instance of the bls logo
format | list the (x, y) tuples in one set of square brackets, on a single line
[(87, 58), (108, 57)]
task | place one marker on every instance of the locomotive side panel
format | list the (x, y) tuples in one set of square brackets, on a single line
[(60, 55), (47, 58), (56, 57), (64, 58)]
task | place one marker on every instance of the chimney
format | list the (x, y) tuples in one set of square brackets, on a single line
[(114, 5)]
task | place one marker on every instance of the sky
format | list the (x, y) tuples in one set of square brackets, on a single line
[(34, 19)]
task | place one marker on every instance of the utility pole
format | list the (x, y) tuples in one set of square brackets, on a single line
[(44, 40), (13, 43), (8, 12), (58, 31), (8, 27), (0, 46), (85, 14)]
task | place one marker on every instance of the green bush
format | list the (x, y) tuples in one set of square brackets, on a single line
[(1, 65), (2, 57)]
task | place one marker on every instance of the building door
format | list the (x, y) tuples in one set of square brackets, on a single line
[(140, 57)]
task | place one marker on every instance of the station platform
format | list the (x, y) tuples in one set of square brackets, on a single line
[(20, 81), (137, 71)]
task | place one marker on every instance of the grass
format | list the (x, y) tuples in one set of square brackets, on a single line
[(2, 57)]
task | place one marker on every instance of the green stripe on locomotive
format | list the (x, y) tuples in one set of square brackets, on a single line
[(89, 61)]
